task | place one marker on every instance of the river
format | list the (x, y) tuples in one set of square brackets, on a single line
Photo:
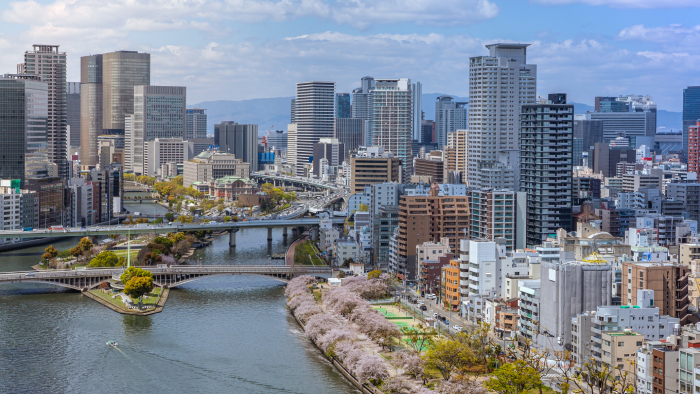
[(229, 334)]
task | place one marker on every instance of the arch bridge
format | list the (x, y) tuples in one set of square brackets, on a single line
[(176, 275)]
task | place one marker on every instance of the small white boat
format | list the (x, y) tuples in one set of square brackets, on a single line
[(112, 344)]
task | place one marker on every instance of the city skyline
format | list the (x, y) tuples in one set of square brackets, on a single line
[(625, 47)]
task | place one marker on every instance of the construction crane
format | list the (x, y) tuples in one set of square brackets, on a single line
[(266, 136)]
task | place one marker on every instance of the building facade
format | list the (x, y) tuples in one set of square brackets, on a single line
[(392, 120), (196, 123), (240, 140), (314, 119), (450, 116), (350, 132), (211, 165)]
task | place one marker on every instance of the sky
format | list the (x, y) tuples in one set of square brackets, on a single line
[(245, 49)]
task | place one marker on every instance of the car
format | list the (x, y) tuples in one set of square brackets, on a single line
[(435, 315), (30, 274), (423, 307), (457, 328)]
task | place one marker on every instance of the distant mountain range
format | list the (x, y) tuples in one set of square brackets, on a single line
[(276, 112)]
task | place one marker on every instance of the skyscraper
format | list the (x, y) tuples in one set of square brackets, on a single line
[(498, 85), (342, 105), (196, 119), (121, 71), (73, 113), (392, 120), (449, 117), (159, 112), (417, 90), (546, 143), (24, 112), (691, 112), (239, 139), (293, 107), (91, 104), (350, 132), (50, 64), (362, 106), (314, 119)]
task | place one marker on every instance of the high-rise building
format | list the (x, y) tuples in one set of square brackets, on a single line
[(417, 91), (693, 151), (240, 140), (493, 215), (456, 152), (47, 62), (293, 107), (314, 119), (73, 114), (589, 131), (610, 104), (329, 149), (121, 72), (165, 150), (427, 131), (668, 281), (392, 120), (450, 116), (350, 132), (498, 85), (373, 166), (546, 172), (278, 140), (342, 105), (91, 107), (627, 124), (362, 107), (691, 111), (196, 123), (159, 112), (24, 115)]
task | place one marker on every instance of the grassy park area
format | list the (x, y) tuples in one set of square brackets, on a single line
[(107, 295)]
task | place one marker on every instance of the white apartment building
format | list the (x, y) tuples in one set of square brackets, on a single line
[(529, 304), (165, 150), (498, 85), (392, 120), (488, 266)]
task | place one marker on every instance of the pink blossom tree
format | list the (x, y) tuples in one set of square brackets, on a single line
[(371, 368), (461, 385), (320, 324), (396, 385), (335, 335), (412, 364)]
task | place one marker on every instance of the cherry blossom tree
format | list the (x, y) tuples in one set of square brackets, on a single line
[(320, 324), (334, 336), (397, 385), (371, 368), (412, 364), (461, 385)]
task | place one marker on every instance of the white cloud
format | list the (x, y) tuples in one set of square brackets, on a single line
[(644, 4), (674, 34)]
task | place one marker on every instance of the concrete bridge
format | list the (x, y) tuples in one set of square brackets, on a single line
[(297, 224), (168, 277), (284, 180)]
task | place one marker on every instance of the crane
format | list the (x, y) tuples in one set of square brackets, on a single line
[(266, 136)]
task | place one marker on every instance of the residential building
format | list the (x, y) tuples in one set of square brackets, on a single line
[(73, 116), (455, 152), (159, 112), (617, 352), (644, 319), (669, 282), (24, 114), (212, 165), (314, 119), (427, 255), (529, 305), (450, 116), (688, 365), (689, 194), (435, 169), (195, 123), (345, 249), (363, 107), (329, 149), (20, 208), (240, 140), (498, 85), (428, 214), (494, 214), (328, 236), (645, 180), (665, 369), (417, 111), (374, 165), (165, 150), (47, 62), (392, 120), (691, 111), (342, 105), (546, 157), (452, 294), (385, 222)]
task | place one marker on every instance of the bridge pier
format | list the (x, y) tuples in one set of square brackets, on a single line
[(232, 237), (295, 232), (284, 232), (269, 234), (314, 233)]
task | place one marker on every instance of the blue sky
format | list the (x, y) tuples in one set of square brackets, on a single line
[(243, 49)]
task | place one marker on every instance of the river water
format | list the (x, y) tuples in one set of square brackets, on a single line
[(229, 334)]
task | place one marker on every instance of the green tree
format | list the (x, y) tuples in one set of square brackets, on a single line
[(51, 253), (76, 251), (85, 244), (514, 378), (133, 272), (448, 355), (138, 286), (141, 220), (105, 259), (185, 219), (175, 237), (163, 241), (227, 219), (374, 274), (170, 216), (178, 180), (419, 338)]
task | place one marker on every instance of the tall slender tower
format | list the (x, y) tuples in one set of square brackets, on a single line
[(362, 106), (417, 91), (498, 85), (90, 107), (392, 120), (121, 71), (314, 119), (449, 117), (50, 64)]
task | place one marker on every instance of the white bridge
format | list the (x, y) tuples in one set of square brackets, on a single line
[(169, 277)]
